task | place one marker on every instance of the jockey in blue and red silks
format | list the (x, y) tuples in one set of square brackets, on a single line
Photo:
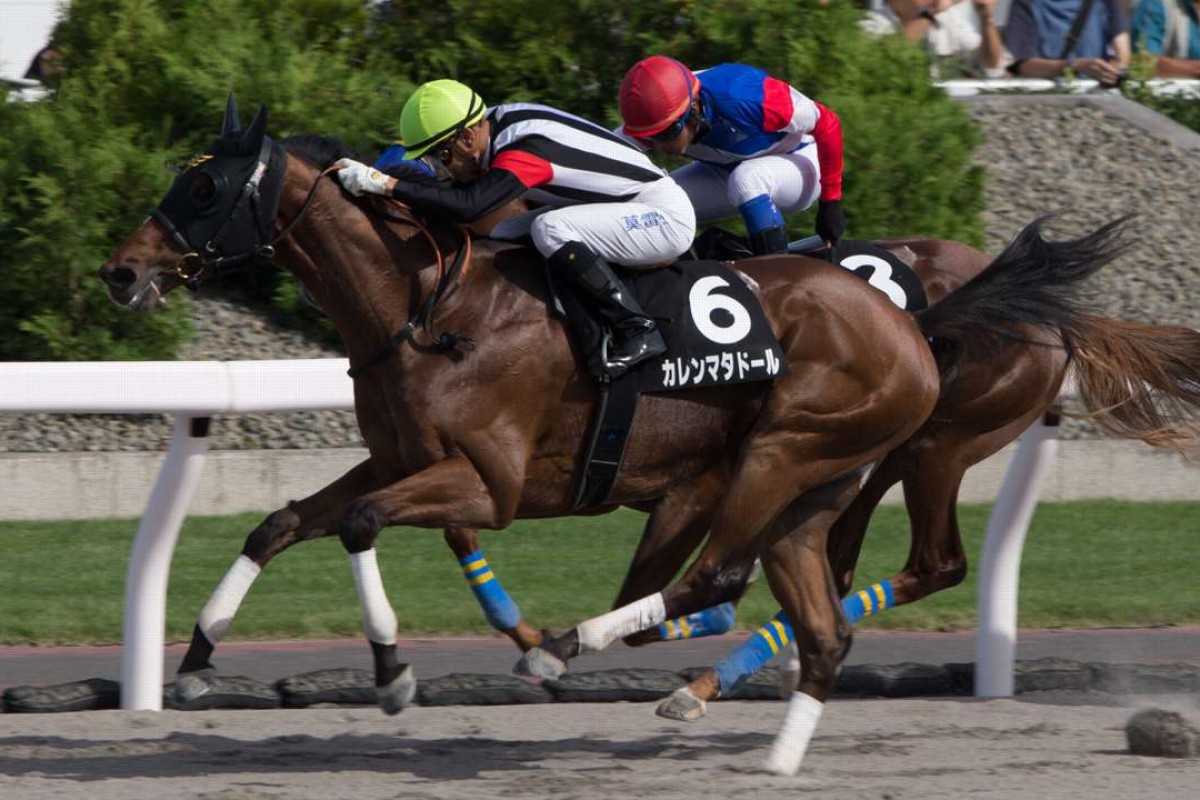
[(760, 146)]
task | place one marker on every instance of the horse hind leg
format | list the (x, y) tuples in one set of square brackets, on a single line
[(673, 531), (689, 703), (755, 498), (299, 521)]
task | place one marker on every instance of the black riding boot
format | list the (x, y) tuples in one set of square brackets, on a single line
[(769, 240), (635, 336)]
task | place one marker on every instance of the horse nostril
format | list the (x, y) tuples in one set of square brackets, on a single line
[(118, 277)]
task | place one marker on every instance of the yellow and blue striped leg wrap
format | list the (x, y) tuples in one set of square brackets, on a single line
[(709, 622), (869, 601), (768, 640), (753, 654), (500, 609)]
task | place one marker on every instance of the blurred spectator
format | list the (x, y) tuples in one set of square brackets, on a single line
[(1089, 37), (1169, 30), (46, 63), (961, 35)]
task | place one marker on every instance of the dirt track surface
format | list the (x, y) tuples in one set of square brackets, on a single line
[(894, 749)]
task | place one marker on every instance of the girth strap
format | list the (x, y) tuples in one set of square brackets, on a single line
[(606, 440)]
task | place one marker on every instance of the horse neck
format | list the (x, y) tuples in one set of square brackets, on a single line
[(365, 281)]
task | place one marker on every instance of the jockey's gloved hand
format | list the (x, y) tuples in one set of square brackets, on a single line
[(831, 221), (358, 179)]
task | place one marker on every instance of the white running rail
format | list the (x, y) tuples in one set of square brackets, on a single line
[(194, 391)]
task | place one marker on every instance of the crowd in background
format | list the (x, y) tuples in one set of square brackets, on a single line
[(1047, 38), (1015, 38)]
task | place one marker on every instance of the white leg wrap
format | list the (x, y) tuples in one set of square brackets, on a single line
[(220, 609), (597, 634), (379, 621), (787, 752)]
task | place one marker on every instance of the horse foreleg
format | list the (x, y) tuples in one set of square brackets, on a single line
[(310, 518), (499, 608), (848, 533), (449, 492)]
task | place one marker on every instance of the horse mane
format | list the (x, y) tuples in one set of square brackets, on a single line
[(320, 150)]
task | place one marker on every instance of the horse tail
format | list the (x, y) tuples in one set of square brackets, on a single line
[(1140, 381), (1031, 287)]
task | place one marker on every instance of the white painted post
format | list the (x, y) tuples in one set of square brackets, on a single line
[(1000, 565), (150, 565)]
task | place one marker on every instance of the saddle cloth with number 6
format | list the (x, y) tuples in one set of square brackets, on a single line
[(715, 329)]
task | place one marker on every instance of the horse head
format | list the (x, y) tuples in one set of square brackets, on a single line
[(217, 216)]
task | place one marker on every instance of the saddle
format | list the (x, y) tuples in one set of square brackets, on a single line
[(715, 330)]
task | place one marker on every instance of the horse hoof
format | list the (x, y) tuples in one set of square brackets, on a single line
[(682, 706), (190, 686), (777, 764), (789, 679), (398, 695), (537, 663)]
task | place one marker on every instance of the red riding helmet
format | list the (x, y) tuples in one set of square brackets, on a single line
[(655, 93)]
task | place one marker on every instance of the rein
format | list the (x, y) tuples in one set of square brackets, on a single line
[(423, 317)]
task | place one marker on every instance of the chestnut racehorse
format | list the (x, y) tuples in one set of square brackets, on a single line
[(476, 439)]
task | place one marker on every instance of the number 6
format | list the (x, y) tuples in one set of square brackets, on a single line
[(703, 303)]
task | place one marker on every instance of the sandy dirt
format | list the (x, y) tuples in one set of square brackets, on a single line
[(928, 749)]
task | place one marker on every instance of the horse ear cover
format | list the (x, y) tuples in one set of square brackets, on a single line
[(252, 137), (232, 122)]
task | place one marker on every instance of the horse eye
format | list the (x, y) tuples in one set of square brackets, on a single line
[(202, 191)]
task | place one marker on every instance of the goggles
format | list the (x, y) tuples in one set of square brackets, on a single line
[(673, 130)]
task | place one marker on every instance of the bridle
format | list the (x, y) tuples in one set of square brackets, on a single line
[(259, 196), (203, 262)]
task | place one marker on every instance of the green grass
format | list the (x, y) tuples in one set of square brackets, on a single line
[(1085, 565)]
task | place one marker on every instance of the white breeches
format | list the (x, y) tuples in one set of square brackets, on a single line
[(793, 181), (655, 227)]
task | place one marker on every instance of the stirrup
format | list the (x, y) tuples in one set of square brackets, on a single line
[(651, 345)]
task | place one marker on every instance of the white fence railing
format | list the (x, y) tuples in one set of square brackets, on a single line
[(193, 391)]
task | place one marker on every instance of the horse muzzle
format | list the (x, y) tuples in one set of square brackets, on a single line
[(129, 290)]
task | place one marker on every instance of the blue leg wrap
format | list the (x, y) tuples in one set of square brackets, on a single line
[(869, 601), (760, 214), (768, 640), (709, 622), (500, 609), (753, 654)]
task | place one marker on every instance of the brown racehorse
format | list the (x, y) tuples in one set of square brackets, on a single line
[(477, 439)]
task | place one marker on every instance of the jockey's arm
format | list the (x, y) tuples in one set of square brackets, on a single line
[(457, 201), (787, 109)]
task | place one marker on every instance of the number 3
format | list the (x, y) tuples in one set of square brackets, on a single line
[(881, 276)]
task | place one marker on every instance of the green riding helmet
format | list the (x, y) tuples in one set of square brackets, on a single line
[(437, 112)]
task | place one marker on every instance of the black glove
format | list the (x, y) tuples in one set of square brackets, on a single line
[(831, 222)]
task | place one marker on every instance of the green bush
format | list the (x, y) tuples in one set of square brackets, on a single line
[(908, 146), (145, 86), (146, 82)]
